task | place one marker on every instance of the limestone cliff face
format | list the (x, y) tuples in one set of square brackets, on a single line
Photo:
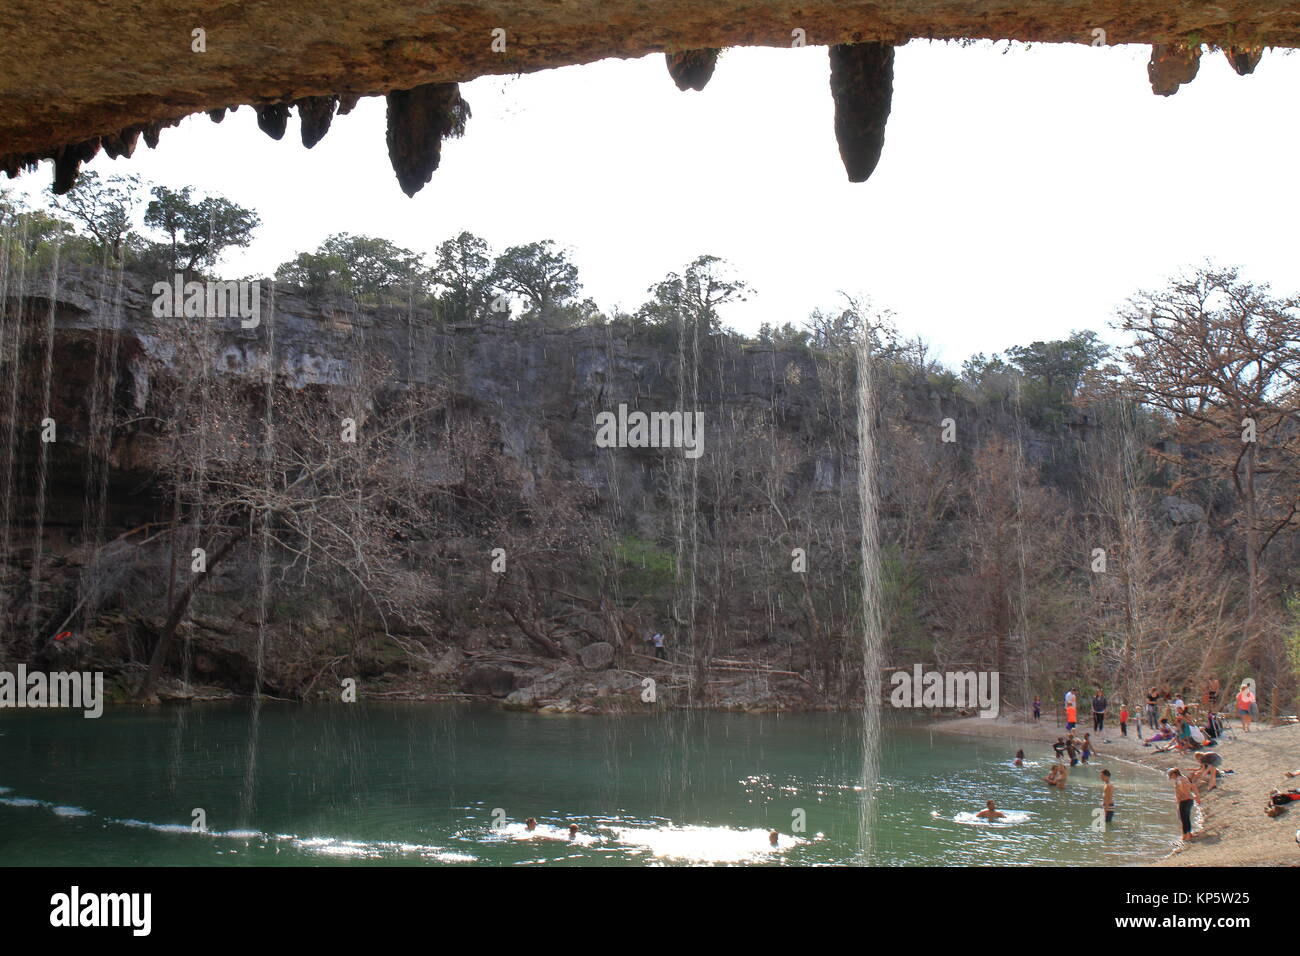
[(539, 390)]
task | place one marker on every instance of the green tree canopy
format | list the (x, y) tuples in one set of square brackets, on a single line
[(694, 296), (105, 208), (539, 273), (198, 232), (463, 271), (377, 267)]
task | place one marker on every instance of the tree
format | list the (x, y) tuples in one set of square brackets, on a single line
[(376, 267), (1220, 357), (104, 208), (199, 232), (318, 274), (540, 274), (1060, 365), (463, 271), (331, 488), (693, 297)]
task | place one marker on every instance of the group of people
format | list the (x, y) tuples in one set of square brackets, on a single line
[(1172, 704), (531, 826), (1100, 706), (1177, 729)]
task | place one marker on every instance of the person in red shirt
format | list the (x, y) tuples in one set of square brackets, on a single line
[(1123, 720), (1071, 716)]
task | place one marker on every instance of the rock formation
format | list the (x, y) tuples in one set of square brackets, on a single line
[(692, 69), (418, 121), (862, 84), (66, 96)]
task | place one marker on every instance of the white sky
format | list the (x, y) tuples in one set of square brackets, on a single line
[(1023, 192)]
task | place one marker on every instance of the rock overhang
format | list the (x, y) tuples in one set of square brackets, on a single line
[(76, 79)]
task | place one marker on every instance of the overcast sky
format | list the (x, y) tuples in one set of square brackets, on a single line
[(1023, 192)]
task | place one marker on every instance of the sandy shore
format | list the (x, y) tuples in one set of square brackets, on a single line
[(1236, 831)]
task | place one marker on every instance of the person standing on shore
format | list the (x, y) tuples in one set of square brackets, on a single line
[(1245, 706), (1098, 711), (1123, 721), (1153, 707), (1071, 716), (1038, 708), (1186, 795)]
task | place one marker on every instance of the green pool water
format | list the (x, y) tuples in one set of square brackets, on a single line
[(433, 784)]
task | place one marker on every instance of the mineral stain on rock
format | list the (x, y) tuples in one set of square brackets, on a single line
[(419, 120)]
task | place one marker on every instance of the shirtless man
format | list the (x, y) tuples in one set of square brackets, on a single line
[(1107, 796), (990, 813), (1186, 795)]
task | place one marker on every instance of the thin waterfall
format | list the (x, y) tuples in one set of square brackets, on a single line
[(872, 628), (99, 445), (1022, 616), (684, 493), (10, 330), (264, 566), (1129, 453), (42, 473)]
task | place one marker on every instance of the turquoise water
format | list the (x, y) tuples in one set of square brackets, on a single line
[(451, 784)]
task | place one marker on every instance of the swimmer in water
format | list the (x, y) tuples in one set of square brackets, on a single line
[(530, 824), (1057, 776), (990, 813), (1020, 758), (774, 838)]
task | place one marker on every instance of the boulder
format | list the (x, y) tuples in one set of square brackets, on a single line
[(447, 663), (488, 679), (522, 699), (598, 656), (1180, 510)]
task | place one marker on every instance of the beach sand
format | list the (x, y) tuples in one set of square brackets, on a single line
[(1236, 831)]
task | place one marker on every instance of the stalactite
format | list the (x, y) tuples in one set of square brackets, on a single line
[(1171, 66), (419, 120), (315, 114), (121, 144), (153, 130), (67, 163), (1243, 59), (273, 119), (862, 85), (692, 69)]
